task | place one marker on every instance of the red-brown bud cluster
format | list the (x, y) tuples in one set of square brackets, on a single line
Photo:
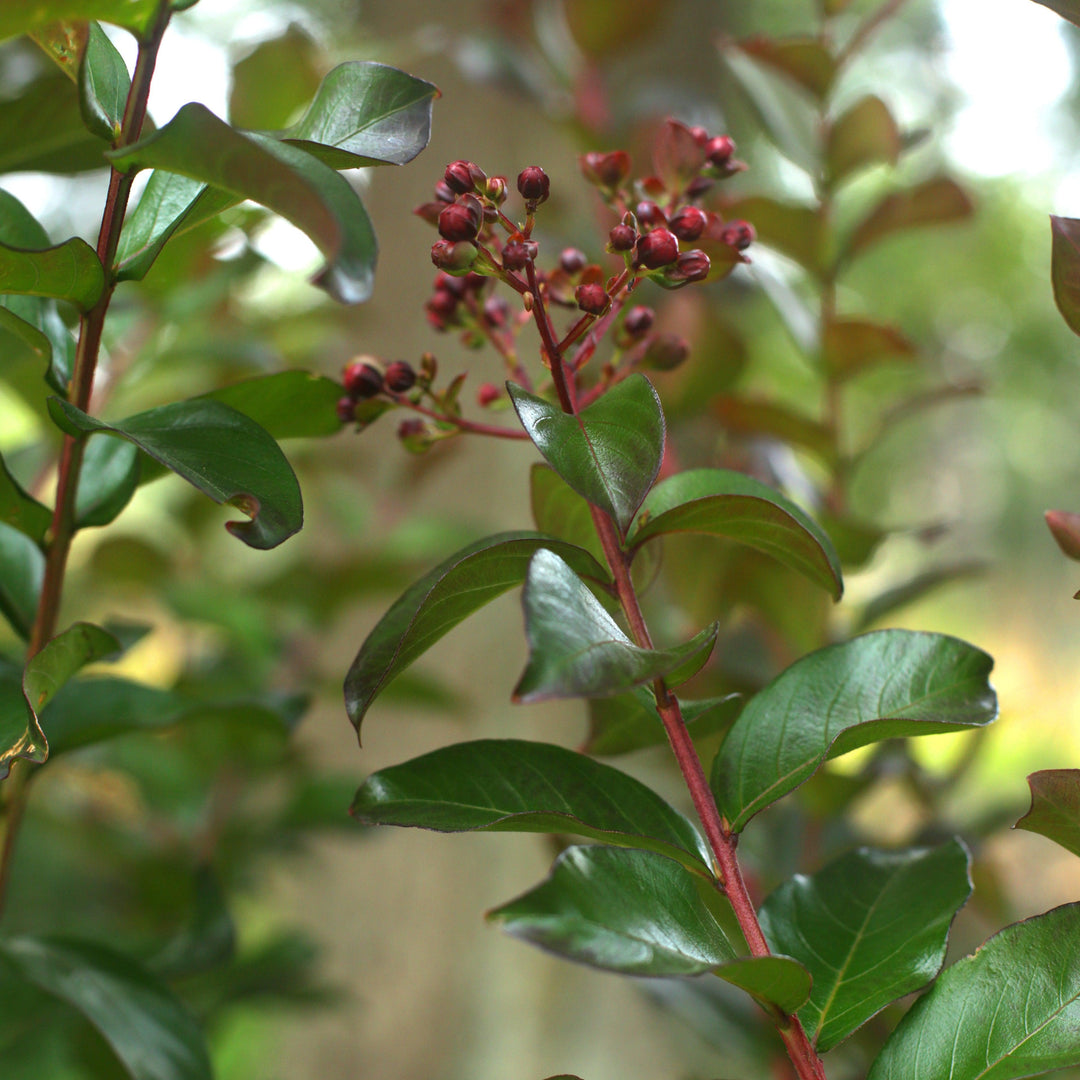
[(464, 176), (362, 378), (656, 249), (688, 223), (461, 220)]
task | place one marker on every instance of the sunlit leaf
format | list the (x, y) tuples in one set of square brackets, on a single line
[(1065, 268), (576, 649), (609, 452), (866, 134), (1010, 1010), (882, 685), (221, 452), (933, 202), (288, 404), (64, 42), (20, 510), (103, 85), (69, 271), (441, 599), (506, 785), (870, 927), (134, 15), (720, 502), (636, 912), (1055, 807), (22, 569)]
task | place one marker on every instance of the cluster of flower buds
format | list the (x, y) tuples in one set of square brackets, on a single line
[(366, 378)]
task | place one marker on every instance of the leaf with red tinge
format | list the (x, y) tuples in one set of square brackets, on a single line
[(1065, 528), (866, 134), (748, 416), (1065, 268), (218, 450), (1055, 807), (934, 202), (853, 345), (804, 60)]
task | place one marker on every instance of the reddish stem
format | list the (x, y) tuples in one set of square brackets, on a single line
[(469, 426)]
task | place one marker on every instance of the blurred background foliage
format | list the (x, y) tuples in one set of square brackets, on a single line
[(220, 851)]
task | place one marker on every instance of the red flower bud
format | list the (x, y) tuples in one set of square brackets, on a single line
[(453, 258), (605, 170), (443, 303), (592, 299), (622, 237), (443, 192), (572, 261), (649, 214), (516, 253), (346, 409), (656, 249), (496, 310), (720, 150), (495, 189), (689, 223), (487, 393), (689, 266), (739, 234), (458, 176), (699, 135), (533, 184), (666, 351), (461, 220), (455, 285), (638, 320), (362, 379), (399, 377), (699, 186)]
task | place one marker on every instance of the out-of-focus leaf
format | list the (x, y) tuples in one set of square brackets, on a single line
[(366, 113), (720, 502), (1065, 529), (288, 404), (274, 80), (507, 785), (882, 685), (798, 317), (1067, 9), (602, 27), (851, 346), (63, 42), (69, 271), (678, 157), (436, 603), (793, 229), (866, 134), (560, 511), (749, 416), (196, 144), (1055, 807), (20, 510), (1009, 1010), (899, 596), (208, 939), (869, 927), (610, 452), (630, 721), (107, 480), (933, 202), (134, 15), (103, 85), (805, 60), (22, 569), (636, 912), (576, 649), (1065, 268), (221, 452), (145, 1025), (855, 541)]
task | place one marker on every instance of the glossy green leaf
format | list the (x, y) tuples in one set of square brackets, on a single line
[(1067, 9), (560, 511), (720, 502), (68, 271), (750, 416), (288, 404), (796, 230), (804, 60), (441, 599), (777, 982), (609, 452), (145, 1025), (20, 510), (22, 569), (1065, 268), (366, 113), (218, 450), (31, 325), (1055, 807), (870, 927), (1012, 1009), (630, 721), (883, 685), (103, 85), (851, 346), (866, 134), (196, 144), (507, 785), (630, 911), (576, 649), (107, 480), (934, 202)]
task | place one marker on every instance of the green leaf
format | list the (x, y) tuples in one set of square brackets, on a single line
[(1010, 1010), (866, 134), (441, 599), (274, 80), (934, 202), (366, 113), (22, 569), (69, 271), (196, 144), (288, 404), (1055, 807), (560, 511), (882, 685), (777, 982), (1067, 9), (630, 911), (576, 649), (103, 85), (720, 502), (507, 785), (804, 60), (630, 721), (32, 324), (749, 416), (134, 15), (870, 927), (64, 43), (851, 346), (218, 450), (609, 452), (145, 1025), (107, 481), (20, 510), (1065, 268)]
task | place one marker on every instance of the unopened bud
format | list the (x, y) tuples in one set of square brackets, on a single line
[(719, 151), (738, 234), (572, 261), (399, 377), (533, 184), (454, 259), (496, 188), (666, 351), (649, 214), (689, 223), (657, 248), (362, 378), (458, 176), (605, 170), (592, 299), (638, 320), (1065, 528), (622, 237), (346, 409), (487, 394), (516, 254), (461, 220)]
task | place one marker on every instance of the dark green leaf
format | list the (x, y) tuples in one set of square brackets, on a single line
[(748, 416), (366, 113), (804, 60), (196, 144), (20, 510), (274, 80), (866, 134), (630, 911), (207, 941), (22, 569), (1010, 1010), (883, 685), (720, 502), (146, 1027), (507, 785), (218, 450), (436, 603), (1067, 9), (778, 982), (560, 511), (795, 230), (288, 404), (108, 479), (1065, 268), (103, 85), (870, 927), (851, 346), (69, 271), (1055, 807), (933, 202), (32, 325), (628, 722), (576, 649), (609, 452)]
